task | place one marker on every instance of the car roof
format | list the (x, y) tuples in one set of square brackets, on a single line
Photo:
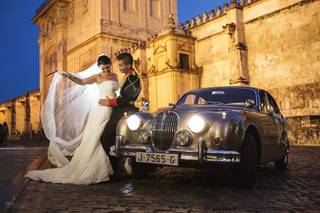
[(221, 87)]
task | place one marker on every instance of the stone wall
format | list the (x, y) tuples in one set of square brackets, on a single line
[(269, 44), (211, 51), (284, 56), (304, 130)]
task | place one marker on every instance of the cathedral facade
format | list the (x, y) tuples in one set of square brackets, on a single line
[(269, 44)]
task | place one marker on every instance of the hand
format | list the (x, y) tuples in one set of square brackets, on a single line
[(104, 102), (65, 74)]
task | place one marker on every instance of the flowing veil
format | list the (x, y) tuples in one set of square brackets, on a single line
[(64, 114)]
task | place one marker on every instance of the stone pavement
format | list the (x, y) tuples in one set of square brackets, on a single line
[(187, 190), (15, 158)]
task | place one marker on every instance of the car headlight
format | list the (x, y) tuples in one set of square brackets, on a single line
[(196, 124), (183, 138), (134, 122)]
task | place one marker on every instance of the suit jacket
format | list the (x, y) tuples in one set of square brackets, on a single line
[(129, 90)]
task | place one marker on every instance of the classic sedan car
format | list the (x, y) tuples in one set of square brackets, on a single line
[(230, 125)]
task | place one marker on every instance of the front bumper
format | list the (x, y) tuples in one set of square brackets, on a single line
[(202, 154)]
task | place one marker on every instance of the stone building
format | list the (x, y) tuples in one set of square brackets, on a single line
[(270, 44), (22, 113), (73, 33)]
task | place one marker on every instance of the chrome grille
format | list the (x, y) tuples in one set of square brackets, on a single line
[(164, 126)]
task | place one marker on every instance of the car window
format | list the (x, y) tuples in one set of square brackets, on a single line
[(189, 99), (263, 102), (201, 101), (273, 103), (233, 96)]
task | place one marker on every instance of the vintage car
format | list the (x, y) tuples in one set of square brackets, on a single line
[(231, 125)]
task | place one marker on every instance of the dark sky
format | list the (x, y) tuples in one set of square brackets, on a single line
[(19, 51)]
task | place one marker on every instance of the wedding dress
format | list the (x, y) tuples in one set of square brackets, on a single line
[(89, 163)]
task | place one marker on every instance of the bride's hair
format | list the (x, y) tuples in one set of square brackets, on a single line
[(103, 59)]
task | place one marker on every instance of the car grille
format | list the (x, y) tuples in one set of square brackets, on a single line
[(164, 126)]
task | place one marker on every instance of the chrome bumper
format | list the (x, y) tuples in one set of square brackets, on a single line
[(202, 154)]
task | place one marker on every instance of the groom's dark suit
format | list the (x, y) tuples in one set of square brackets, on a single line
[(129, 92)]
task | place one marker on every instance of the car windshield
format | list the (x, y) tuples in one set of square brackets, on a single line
[(219, 96)]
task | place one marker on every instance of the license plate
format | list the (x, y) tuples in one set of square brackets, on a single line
[(157, 158)]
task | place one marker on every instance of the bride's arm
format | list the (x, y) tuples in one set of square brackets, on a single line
[(90, 80)]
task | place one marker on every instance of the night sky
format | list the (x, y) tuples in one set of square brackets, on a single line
[(19, 51)]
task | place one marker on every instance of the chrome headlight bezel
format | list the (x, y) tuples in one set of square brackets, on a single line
[(134, 122), (183, 138), (196, 124)]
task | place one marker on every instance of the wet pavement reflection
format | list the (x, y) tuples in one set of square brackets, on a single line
[(186, 190)]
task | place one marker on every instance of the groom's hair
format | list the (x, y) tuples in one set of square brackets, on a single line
[(103, 59), (126, 58)]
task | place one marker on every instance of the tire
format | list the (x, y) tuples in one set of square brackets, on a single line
[(248, 163), (282, 164)]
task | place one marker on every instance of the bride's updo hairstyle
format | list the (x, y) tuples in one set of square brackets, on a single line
[(103, 59)]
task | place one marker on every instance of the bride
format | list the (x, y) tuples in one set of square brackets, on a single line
[(74, 121)]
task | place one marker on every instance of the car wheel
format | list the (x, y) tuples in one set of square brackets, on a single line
[(248, 163), (282, 164)]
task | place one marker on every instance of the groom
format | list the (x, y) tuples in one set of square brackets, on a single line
[(130, 88)]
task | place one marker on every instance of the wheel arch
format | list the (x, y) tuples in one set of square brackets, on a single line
[(252, 130)]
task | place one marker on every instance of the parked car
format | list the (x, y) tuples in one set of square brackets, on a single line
[(230, 125)]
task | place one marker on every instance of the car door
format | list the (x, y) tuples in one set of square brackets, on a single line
[(278, 121), (266, 127)]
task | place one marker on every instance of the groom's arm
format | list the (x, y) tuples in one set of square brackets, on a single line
[(129, 93)]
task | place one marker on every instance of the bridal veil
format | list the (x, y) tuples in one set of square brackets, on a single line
[(64, 114)]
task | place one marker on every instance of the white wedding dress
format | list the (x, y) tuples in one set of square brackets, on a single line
[(89, 163)]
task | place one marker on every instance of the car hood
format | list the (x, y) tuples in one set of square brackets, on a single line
[(208, 108)]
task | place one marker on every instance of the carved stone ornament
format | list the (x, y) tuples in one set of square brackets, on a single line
[(230, 28), (181, 27), (171, 23), (151, 70), (225, 8), (212, 15), (219, 12), (233, 3), (50, 22), (239, 80), (187, 25), (193, 23), (198, 20), (141, 44), (205, 17), (172, 65)]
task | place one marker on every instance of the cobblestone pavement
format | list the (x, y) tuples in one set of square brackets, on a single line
[(187, 190), (14, 159)]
